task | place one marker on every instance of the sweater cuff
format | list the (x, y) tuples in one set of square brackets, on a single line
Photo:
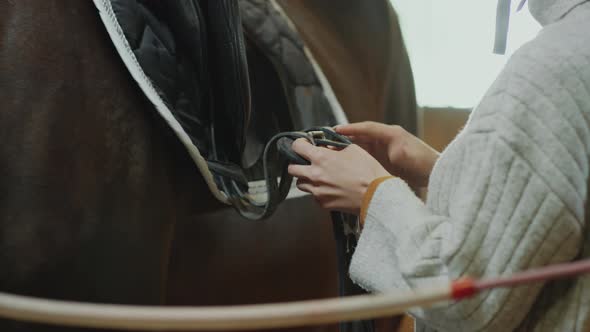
[(390, 253), (369, 195)]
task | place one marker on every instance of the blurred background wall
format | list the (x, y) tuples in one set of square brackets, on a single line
[(450, 47)]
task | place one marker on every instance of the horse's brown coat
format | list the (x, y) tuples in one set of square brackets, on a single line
[(92, 185)]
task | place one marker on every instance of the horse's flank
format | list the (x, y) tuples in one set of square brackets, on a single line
[(360, 48), (92, 186), (87, 175)]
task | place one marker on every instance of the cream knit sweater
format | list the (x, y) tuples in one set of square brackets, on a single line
[(508, 194)]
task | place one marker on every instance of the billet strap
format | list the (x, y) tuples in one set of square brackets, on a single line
[(345, 226), (346, 229), (278, 181)]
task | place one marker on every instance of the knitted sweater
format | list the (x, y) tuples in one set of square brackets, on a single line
[(508, 194)]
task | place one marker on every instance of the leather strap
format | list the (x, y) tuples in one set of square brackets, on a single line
[(278, 181)]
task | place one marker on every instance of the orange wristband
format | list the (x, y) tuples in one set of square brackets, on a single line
[(369, 195)]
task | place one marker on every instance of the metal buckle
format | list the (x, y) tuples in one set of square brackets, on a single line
[(315, 134)]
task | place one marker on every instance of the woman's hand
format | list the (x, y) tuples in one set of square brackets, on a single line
[(337, 179), (401, 153)]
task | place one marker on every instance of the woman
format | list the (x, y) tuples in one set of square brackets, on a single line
[(508, 194)]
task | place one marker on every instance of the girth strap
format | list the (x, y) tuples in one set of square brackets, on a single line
[(276, 157), (346, 229), (345, 226)]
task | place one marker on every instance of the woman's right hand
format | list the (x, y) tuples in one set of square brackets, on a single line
[(401, 153)]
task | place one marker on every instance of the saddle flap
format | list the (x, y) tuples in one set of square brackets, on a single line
[(230, 103)]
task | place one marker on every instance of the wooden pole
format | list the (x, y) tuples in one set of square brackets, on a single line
[(240, 317)]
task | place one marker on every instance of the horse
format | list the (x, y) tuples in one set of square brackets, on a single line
[(100, 203)]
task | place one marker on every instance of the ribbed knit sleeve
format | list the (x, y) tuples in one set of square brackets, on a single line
[(507, 195)]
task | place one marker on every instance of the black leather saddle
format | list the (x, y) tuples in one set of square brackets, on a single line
[(231, 84), (194, 54), (234, 83)]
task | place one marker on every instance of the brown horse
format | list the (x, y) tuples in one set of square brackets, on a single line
[(100, 203)]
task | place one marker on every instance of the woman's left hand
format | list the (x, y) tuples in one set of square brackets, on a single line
[(337, 179)]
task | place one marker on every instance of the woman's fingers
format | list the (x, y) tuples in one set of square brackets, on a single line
[(299, 171), (304, 185), (368, 130), (355, 129), (303, 148)]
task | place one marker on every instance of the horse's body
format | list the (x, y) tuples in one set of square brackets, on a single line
[(360, 48), (99, 202)]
